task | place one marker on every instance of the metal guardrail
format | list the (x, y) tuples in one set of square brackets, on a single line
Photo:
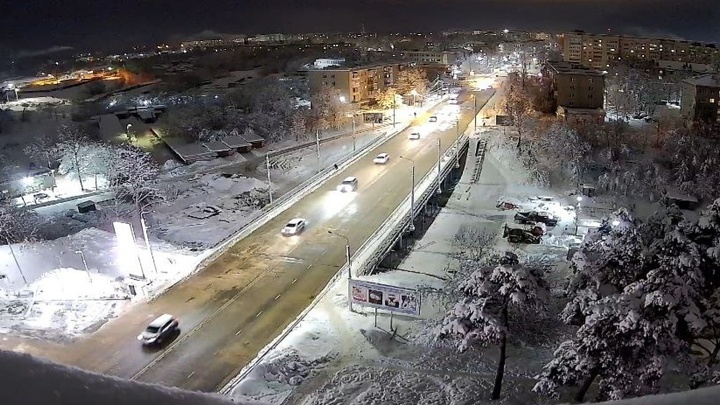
[(399, 220), (310, 144)]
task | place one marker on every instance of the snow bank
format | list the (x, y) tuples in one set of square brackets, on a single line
[(28, 380), (237, 200)]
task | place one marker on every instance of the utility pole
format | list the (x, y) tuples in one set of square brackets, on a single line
[(439, 157), (12, 253), (317, 142), (147, 243), (267, 164)]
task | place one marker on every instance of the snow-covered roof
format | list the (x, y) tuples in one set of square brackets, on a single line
[(708, 80)]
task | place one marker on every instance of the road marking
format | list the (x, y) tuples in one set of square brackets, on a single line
[(237, 333), (198, 326), (278, 296), (216, 352), (258, 314), (190, 375), (294, 280)]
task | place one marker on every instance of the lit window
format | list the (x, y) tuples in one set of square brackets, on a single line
[(712, 101)]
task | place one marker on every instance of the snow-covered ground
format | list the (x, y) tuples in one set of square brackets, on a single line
[(48, 290), (33, 103), (337, 356)]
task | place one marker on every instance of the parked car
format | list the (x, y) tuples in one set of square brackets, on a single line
[(520, 235), (433, 118), (159, 329), (381, 159), (348, 185), (294, 227), (531, 217), (414, 136)]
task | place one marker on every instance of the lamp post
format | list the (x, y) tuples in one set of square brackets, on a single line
[(411, 227), (577, 214), (348, 262), (457, 144), (476, 111), (127, 132), (267, 165), (147, 242), (439, 157), (82, 256), (317, 143), (394, 103), (12, 253)]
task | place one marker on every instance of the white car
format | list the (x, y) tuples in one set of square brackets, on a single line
[(294, 227), (414, 136), (162, 327), (381, 159), (348, 185)]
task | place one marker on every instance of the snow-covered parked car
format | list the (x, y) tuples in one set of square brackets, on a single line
[(294, 227), (531, 217), (381, 159)]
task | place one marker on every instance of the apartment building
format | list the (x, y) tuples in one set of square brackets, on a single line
[(576, 91), (600, 51), (423, 57), (701, 99), (358, 84)]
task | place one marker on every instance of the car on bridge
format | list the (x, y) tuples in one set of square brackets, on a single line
[(159, 329), (294, 227), (381, 159), (348, 185)]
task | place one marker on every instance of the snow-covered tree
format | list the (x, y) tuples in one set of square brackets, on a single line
[(489, 299), (518, 106), (329, 108), (619, 345), (74, 149), (411, 79), (559, 153), (16, 225), (641, 296), (134, 177), (42, 149), (388, 98)]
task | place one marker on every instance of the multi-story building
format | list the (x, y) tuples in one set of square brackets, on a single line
[(423, 57), (358, 84), (701, 99), (574, 89), (600, 51)]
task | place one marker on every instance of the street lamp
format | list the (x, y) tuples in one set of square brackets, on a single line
[(87, 270), (457, 144), (317, 143), (439, 157), (476, 111), (147, 242), (127, 131), (267, 165), (347, 251), (411, 227)]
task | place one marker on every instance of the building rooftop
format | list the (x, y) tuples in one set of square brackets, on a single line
[(572, 68), (708, 80), (348, 68)]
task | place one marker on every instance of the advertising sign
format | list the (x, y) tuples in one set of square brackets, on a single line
[(387, 297)]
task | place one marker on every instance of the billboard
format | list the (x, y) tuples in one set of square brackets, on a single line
[(387, 297)]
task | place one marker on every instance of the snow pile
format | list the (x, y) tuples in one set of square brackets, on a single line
[(295, 359), (210, 207), (72, 284), (28, 380), (362, 385)]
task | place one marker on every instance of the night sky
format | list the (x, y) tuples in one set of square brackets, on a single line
[(36, 25)]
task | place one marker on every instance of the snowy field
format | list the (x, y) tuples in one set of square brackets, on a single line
[(337, 356)]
